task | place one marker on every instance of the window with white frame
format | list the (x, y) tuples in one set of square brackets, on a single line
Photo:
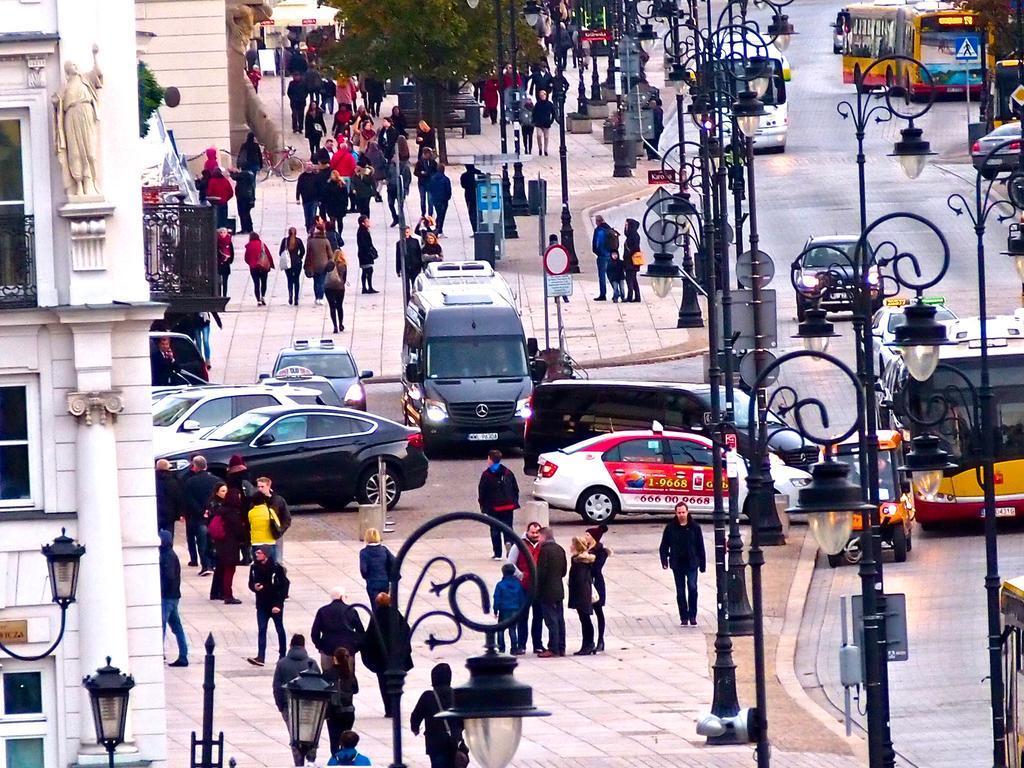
[(24, 725), (20, 485)]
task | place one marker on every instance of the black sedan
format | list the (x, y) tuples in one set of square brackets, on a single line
[(1005, 159), (316, 454)]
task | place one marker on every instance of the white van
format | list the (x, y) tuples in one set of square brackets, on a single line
[(455, 274)]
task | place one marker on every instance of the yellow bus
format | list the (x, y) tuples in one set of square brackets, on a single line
[(926, 32), (1005, 79)]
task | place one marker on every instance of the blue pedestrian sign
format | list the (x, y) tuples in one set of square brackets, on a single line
[(967, 48)]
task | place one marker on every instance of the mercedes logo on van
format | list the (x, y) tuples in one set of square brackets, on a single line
[(482, 410)]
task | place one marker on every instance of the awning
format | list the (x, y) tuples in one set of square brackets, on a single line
[(301, 14)]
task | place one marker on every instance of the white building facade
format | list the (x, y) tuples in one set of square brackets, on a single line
[(75, 429)]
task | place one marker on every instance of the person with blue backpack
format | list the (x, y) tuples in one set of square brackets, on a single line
[(509, 597)]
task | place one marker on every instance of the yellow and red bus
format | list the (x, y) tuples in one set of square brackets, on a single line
[(926, 32)]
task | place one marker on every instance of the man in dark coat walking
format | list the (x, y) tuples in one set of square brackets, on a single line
[(297, 94), (498, 495), (170, 595), (170, 498), (551, 570), (468, 181), (682, 550), (290, 666), (336, 625), (413, 259), (198, 489)]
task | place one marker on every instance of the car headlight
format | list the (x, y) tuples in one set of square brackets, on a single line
[(809, 282), (435, 410), (179, 464), (355, 394), (523, 409), (873, 276)]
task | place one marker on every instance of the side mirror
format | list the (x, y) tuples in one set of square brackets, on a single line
[(538, 370), (264, 440), (412, 372), (263, 376), (532, 348), (876, 332), (366, 374), (191, 425)]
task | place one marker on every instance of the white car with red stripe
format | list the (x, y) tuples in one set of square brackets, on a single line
[(644, 472)]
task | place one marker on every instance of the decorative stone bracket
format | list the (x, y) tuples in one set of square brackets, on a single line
[(88, 225), (95, 405)]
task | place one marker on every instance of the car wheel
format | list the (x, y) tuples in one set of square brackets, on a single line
[(899, 543), (369, 491), (598, 505), (834, 561)]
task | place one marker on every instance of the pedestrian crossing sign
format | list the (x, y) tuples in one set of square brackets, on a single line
[(966, 48)]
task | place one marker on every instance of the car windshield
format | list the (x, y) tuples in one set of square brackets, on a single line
[(827, 255), (896, 319), (170, 409), (476, 357), (240, 429), (886, 476), (332, 366)]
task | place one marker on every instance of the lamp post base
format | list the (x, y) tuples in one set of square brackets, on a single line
[(621, 149), (690, 315), (519, 203)]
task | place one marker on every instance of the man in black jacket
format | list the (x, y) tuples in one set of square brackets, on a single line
[(413, 259), (297, 94), (682, 550), (268, 580), (336, 625), (498, 496), (551, 569), (468, 181), (307, 193), (170, 498), (170, 594), (198, 489), (290, 666)]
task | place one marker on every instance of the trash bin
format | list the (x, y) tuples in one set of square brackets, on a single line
[(483, 247), (474, 112), (533, 196), (607, 132), (370, 516), (407, 98)]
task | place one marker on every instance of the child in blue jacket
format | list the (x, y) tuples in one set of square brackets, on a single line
[(509, 597)]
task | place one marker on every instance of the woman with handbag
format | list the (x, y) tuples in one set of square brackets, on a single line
[(634, 260), (318, 256), (315, 128), (581, 591), (442, 738), (334, 289), (259, 261), (341, 711), (367, 254), (226, 532), (291, 254)]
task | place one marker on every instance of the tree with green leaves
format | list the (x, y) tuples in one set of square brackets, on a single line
[(439, 44), (995, 17), (151, 96)]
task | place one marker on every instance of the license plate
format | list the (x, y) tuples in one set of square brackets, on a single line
[(476, 436), (993, 161), (1006, 511)]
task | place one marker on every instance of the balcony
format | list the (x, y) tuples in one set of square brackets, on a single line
[(17, 262), (180, 243)]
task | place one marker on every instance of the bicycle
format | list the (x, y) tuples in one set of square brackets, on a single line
[(288, 166)]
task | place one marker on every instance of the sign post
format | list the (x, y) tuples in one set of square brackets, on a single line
[(967, 50), (557, 283)]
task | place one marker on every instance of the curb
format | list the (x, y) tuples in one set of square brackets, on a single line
[(785, 651)]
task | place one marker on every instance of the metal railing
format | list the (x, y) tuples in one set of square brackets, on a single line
[(180, 250), (17, 262)]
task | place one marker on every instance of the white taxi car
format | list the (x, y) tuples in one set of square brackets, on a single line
[(644, 472), (890, 316)]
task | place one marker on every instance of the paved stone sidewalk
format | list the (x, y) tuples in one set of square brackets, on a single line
[(252, 335)]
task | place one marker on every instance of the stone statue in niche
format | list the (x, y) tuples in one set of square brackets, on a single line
[(76, 129)]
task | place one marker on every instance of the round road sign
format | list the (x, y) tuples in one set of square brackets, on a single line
[(556, 260)]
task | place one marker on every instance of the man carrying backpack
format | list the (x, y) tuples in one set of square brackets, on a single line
[(605, 241)]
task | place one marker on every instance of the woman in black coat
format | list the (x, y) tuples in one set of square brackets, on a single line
[(367, 254), (581, 585), (386, 624), (225, 505), (632, 246), (441, 737), (601, 554), (335, 200), (341, 712), (315, 128)]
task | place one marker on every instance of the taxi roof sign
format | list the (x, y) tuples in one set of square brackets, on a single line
[(293, 372), (896, 301), (902, 301)]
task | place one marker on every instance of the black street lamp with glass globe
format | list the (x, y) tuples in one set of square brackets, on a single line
[(109, 690)]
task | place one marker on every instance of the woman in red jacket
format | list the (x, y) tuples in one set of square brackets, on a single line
[(491, 99), (218, 192), (260, 262)]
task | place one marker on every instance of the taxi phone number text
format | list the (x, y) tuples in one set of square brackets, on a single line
[(683, 483), (673, 499)]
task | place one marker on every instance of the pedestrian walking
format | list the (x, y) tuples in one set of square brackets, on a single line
[(387, 646), (442, 738), (426, 138), (439, 188), (526, 125), (260, 262), (468, 181), (334, 289), (374, 94), (413, 259), (328, 92), (288, 667), (341, 710), (254, 75), (491, 99), (616, 274), (426, 167), (387, 137), (336, 625), (633, 260), (250, 155), (581, 588), (290, 257), (528, 547), (335, 200), (543, 119), (399, 177), (170, 498), (170, 595), (241, 492), (198, 489), (498, 497), (605, 241), (509, 597), (226, 535), (268, 580), (297, 95), (314, 128), (367, 254), (551, 570), (318, 255), (375, 564), (307, 194), (363, 189), (682, 550), (657, 128), (348, 754), (342, 126), (218, 193), (268, 519), (225, 258), (601, 554), (398, 119), (245, 197)]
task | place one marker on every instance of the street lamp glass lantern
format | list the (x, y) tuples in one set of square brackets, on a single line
[(748, 110), (912, 151), (63, 559), (662, 286), (308, 696), (920, 338), (831, 530), (815, 330), (781, 31), (109, 690), (648, 38), (493, 741), (473, 3), (829, 501), (926, 462), (531, 12)]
